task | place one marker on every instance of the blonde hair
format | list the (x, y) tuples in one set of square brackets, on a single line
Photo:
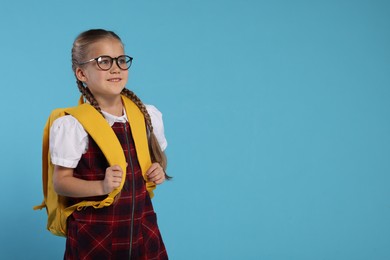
[(79, 53)]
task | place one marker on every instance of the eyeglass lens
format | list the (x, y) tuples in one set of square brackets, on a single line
[(105, 62)]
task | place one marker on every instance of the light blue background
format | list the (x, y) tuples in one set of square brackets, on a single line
[(277, 115)]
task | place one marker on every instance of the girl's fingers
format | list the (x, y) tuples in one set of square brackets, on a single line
[(152, 168), (116, 168), (157, 176), (160, 180)]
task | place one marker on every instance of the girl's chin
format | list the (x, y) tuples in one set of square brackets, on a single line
[(116, 87)]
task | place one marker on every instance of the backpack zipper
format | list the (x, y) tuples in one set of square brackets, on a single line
[(133, 190)]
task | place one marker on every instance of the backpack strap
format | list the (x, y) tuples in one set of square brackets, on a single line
[(138, 130), (101, 132)]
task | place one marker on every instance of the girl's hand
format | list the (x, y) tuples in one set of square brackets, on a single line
[(112, 179), (156, 173)]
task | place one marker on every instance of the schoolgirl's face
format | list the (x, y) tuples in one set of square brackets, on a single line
[(103, 83)]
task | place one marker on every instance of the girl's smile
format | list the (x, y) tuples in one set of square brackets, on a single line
[(114, 80)]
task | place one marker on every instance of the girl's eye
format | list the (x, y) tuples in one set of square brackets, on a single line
[(104, 61), (122, 60)]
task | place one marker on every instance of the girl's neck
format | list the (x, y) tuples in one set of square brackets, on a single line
[(112, 106)]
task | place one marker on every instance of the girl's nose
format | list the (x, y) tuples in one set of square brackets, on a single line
[(114, 68)]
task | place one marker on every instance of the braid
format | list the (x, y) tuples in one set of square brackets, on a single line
[(156, 154), (130, 94), (88, 95)]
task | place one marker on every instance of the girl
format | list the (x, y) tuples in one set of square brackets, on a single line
[(128, 228)]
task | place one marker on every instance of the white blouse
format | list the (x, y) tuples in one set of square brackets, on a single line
[(69, 141)]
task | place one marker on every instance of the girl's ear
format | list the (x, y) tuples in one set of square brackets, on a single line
[(80, 75)]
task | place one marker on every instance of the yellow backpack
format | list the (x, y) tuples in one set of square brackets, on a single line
[(98, 128)]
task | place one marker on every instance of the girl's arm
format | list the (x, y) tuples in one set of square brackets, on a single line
[(67, 185)]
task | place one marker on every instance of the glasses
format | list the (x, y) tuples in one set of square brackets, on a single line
[(105, 62)]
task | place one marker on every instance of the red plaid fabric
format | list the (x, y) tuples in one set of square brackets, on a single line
[(106, 233)]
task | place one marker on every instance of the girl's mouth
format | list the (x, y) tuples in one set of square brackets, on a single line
[(114, 80)]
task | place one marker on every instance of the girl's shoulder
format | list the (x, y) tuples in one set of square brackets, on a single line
[(65, 120), (153, 110), (67, 141), (67, 124), (155, 115)]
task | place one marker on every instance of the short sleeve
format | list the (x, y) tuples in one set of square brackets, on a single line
[(158, 125), (67, 142)]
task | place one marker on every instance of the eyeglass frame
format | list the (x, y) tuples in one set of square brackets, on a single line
[(112, 61)]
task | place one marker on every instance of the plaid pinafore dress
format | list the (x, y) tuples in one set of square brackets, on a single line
[(125, 230)]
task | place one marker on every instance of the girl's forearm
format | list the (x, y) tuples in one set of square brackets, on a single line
[(67, 185)]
